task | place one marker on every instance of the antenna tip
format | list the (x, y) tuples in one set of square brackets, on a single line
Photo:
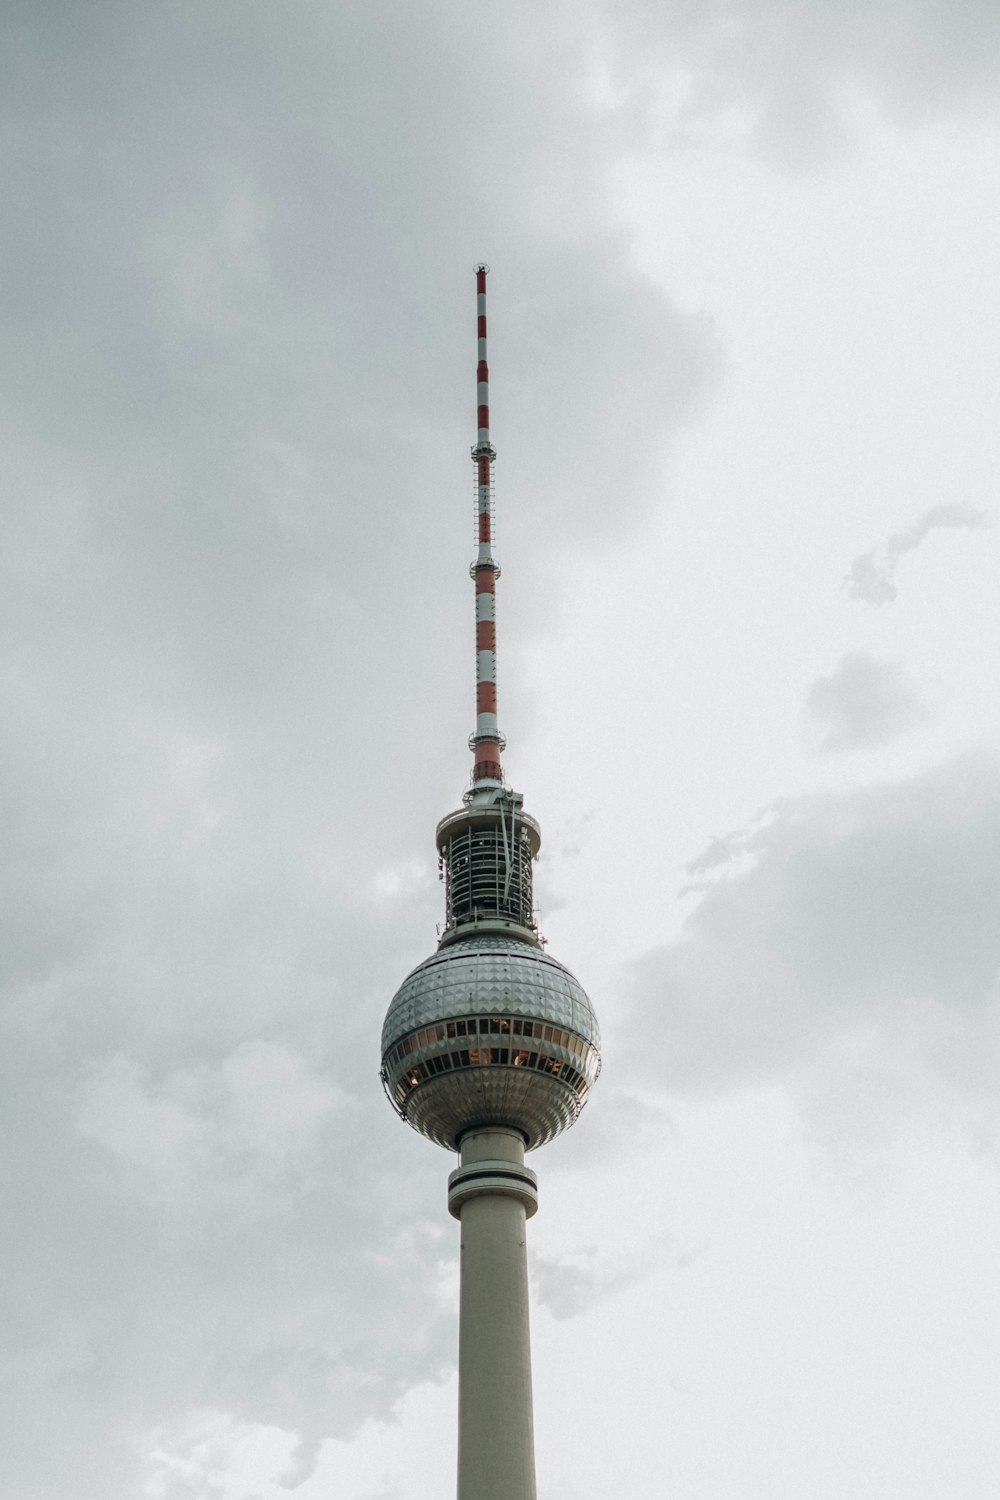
[(482, 266)]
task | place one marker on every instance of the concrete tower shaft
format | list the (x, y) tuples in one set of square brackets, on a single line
[(493, 1194)]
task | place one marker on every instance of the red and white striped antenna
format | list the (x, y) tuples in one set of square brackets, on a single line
[(487, 743)]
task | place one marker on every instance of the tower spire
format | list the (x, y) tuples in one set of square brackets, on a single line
[(487, 743)]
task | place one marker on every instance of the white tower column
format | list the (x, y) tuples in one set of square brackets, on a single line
[(493, 1194)]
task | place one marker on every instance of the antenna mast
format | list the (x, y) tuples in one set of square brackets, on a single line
[(487, 742)]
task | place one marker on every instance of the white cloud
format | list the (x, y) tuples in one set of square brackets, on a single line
[(863, 702), (212, 1457), (871, 574)]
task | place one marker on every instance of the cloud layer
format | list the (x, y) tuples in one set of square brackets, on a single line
[(862, 703), (789, 80), (238, 304), (852, 953), (237, 372), (871, 574)]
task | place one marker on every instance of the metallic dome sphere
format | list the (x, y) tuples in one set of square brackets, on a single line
[(490, 1031)]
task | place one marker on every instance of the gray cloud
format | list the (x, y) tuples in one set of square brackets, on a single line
[(852, 953), (569, 1285), (235, 473), (628, 1121), (862, 703), (871, 574), (237, 302), (787, 78)]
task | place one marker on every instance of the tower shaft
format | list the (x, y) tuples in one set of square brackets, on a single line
[(493, 1194)]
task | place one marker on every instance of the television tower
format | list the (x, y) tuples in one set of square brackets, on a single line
[(489, 1048)]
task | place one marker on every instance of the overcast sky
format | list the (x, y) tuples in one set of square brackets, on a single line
[(744, 330)]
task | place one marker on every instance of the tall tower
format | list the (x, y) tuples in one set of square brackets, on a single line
[(489, 1048)]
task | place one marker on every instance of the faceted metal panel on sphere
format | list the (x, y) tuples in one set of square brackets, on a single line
[(490, 1031), (444, 1108), (480, 975)]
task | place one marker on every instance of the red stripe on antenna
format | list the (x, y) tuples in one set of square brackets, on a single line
[(486, 764)]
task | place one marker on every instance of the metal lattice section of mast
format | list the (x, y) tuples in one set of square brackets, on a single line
[(487, 876), (486, 852)]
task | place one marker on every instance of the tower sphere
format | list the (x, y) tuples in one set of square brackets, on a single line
[(490, 1031)]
